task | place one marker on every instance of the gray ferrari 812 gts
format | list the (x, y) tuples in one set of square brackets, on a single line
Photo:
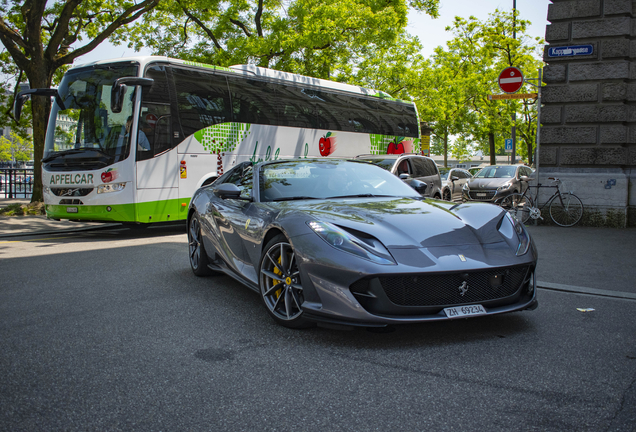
[(346, 242)]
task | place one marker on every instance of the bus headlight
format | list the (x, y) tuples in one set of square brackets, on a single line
[(114, 187)]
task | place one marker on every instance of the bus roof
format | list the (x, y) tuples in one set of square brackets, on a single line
[(255, 71)]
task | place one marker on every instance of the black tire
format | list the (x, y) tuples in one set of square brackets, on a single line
[(198, 257), (283, 298), (517, 205), (447, 195), (566, 211)]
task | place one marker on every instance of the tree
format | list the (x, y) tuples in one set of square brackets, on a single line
[(465, 72), (317, 38), (15, 148), (441, 98), (39, 35)]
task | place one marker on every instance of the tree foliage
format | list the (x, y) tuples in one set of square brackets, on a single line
[(15, 148), (454, 93), (311, 37)]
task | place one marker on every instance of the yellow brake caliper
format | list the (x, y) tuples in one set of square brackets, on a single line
[(276, 281)]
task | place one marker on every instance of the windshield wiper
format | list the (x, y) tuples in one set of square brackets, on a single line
[(72, 151), (295, 198), (366, 195)]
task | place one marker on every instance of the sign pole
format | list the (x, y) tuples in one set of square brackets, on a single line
[(537, 147)]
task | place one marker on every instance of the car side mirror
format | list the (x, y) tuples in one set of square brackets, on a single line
[(404, 176), (524, 178), (227, 191), (453, 178), (419, 186)]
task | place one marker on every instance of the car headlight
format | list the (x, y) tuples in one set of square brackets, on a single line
[(504, 187), (368, 248), (113, 187), (522, 234)]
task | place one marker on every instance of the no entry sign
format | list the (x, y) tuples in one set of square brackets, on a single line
[(510, 80)]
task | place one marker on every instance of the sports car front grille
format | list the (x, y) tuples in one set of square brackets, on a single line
[(482, 195), (446, 288)]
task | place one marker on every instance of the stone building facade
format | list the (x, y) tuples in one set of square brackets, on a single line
[(588, 117)]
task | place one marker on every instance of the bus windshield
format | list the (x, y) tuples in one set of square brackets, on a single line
[(86, 128)]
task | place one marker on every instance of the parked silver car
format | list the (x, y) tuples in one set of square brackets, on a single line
[(453, 181), (412, 169), (497, 181)]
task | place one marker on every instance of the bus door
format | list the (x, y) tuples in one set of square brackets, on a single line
[(157, 164)]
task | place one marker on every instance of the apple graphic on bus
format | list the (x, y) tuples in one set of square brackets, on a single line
[(399, 146), (109, 175), (327, 144)]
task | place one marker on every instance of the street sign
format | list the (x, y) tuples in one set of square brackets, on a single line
[(513, 96), (508, 145), (510, 80), (574, 50)]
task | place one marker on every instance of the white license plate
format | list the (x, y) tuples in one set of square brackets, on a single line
[(481, 194), (71, 209), (464, 311)]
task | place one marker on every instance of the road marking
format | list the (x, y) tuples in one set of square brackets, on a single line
[(585, 290)]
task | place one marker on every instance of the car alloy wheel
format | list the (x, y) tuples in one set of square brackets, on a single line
[(447, 195), (198, 257), (280, 285)]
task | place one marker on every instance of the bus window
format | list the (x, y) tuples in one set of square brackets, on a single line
[(253, 101), (154, 122), (202, 99)]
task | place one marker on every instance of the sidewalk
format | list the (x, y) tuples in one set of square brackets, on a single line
[(11, 226)]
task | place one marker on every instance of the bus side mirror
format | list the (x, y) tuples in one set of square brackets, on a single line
[(117, 94), (19, 101), (118, 91), (23, 95)]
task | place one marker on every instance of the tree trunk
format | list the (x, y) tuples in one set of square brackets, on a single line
[(445, 149), (530, 151), (40, 107), (491, 143)]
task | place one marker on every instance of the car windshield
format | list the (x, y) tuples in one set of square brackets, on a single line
[(497, 172), (324, 179), (387, 164), (444, 172)]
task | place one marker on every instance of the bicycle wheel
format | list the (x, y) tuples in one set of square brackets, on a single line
[(566, 211), (518, 205)]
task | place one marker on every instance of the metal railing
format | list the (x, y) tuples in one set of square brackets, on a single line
[(16, 182)]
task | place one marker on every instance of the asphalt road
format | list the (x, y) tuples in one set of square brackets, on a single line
[(110, 330)]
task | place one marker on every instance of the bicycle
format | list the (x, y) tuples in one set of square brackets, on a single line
[(565, 208)]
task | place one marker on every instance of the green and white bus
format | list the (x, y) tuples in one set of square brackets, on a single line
[(130, 140)]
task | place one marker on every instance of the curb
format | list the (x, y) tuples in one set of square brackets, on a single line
[(59, 231), (584, 290)]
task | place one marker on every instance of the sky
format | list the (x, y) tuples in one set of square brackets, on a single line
[(430, 31)]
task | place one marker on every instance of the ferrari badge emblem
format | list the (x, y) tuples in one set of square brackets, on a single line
[(463, 288)]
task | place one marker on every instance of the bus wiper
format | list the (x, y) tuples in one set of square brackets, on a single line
[(295, 198), (72, 151), (366, 195)]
